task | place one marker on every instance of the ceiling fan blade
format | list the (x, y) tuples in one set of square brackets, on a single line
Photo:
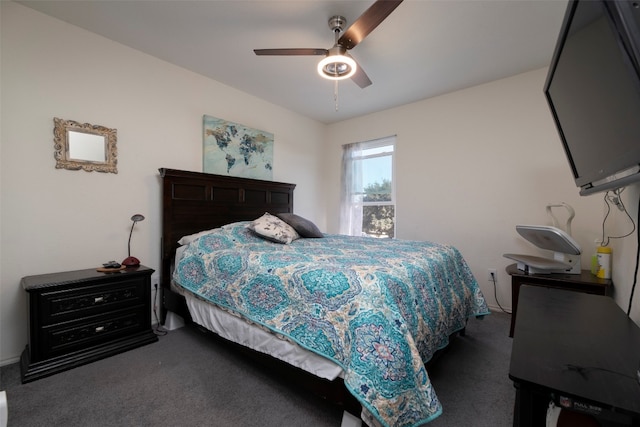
[(360, 77), (367, 22), (292, 51)]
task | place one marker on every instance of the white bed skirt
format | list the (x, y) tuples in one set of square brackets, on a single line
[(241, 332)]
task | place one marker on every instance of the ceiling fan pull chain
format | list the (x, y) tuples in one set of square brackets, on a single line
[(335, 94)]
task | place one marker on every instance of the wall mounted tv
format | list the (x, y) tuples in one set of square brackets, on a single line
[(593, 90)]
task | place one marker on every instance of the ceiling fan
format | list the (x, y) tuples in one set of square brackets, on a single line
[(338, 64)]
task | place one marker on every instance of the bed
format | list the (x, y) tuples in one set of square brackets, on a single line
[(359, 317)]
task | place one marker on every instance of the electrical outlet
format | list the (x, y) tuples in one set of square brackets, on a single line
[(491, 275)]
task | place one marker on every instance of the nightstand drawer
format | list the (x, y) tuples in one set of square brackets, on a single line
[(68, 337), (60, 305)]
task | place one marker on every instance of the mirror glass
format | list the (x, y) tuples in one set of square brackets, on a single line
[(84, 146)]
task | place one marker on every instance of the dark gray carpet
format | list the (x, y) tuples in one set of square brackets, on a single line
[(189, 379)]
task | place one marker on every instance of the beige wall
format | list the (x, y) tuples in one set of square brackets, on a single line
[(57, 220), (473, 164)]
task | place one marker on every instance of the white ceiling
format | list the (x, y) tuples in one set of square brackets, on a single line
[(423, 49)]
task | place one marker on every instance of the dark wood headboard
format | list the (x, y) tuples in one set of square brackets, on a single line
[(194, 201)]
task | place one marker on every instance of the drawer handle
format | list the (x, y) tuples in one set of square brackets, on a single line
[(100, 329), (98, 299)]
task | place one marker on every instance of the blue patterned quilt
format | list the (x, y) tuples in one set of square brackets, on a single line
[(379, 308)]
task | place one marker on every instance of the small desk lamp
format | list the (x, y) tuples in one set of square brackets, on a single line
[(131, 261)]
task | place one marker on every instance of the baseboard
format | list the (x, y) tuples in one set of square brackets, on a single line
[(8, 362), (496, 308)]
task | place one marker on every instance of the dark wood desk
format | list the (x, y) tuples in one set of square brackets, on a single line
[(580, 350), (583, 282)]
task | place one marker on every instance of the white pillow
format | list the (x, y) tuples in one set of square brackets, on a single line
[(185, 240), (273, 228)]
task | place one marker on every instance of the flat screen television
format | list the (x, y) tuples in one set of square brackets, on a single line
[(593, 90)]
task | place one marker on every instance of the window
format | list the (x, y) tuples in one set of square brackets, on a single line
[(368, 199)]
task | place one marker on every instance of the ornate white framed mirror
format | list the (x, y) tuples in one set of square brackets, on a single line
[(84, 146)]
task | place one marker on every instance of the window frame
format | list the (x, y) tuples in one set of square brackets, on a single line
[(389, 141)]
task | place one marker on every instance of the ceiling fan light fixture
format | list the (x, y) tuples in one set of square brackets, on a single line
[(337, 67), (338, 64)]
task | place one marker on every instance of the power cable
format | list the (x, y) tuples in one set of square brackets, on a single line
[(159, 329), (495, 292), (635, 272), (616, 199)]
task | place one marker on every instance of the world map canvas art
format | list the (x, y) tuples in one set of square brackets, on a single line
[(236, 150)]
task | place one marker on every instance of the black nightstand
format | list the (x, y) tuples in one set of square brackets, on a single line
[(584, 282), (77, 317)]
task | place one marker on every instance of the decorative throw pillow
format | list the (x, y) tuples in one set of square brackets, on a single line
[(303, 226), (273, 228)]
